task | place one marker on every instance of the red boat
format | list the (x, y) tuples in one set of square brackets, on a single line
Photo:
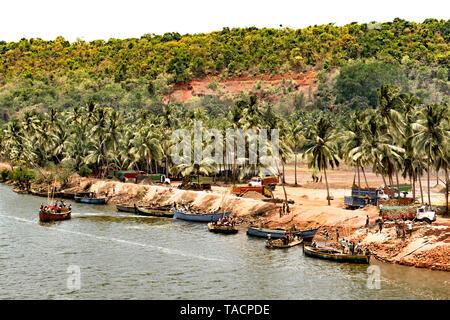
[(46, 215)]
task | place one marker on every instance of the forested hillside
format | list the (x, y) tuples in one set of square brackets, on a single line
[(349, 62)]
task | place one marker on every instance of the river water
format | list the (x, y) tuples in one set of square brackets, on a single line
[(124, 256)]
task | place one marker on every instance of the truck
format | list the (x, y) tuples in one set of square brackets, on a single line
[(196, 183), (421, 213), (270, 181), (361, 197), (240, 191), (129, 174), (157, 178), (404, 188)]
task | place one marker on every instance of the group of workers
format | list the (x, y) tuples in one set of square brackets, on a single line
[(226, 221), (57, 208)]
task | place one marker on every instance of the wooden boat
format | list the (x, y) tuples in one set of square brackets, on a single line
[(263, 233), (334, 255), (306, 235), (199, 217), (90, 198), (68, 195), (222, 228), (155, 212), (45, 216), (131, 209), (21, 191), (278, 243), (45, 194)]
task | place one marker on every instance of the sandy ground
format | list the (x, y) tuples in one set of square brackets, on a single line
[(428, 247), (4, 165)]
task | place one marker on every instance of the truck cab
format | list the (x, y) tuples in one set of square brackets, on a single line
[(255, 182), (165, 179), (424, 213)]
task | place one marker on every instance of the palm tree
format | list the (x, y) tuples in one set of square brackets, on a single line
[(322, 137), (389, 100), (431, 137), (297, 142), (206, 167), (353, 138)]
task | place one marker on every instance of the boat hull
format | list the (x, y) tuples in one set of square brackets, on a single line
[(272, 245), (91, 200), (46, 194), (126, 209), (222, 229), (21, 191), (263, 233), (150, 212), (208, 217), (334, 256), (46, 217), (306, 235)]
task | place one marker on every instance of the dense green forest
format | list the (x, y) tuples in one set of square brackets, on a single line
[(351, 61)]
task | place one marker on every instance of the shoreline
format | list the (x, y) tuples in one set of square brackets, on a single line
[(428, 247)]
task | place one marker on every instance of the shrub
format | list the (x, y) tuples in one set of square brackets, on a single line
[(84, 171), (21, 174), (4, 174)]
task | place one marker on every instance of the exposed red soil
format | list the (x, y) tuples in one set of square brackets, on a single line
[(231, 86)]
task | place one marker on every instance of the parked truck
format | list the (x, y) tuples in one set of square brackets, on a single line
[(270, 181), (362, 197), (240, 191), (196, 183), (158, 178), (421, 213)]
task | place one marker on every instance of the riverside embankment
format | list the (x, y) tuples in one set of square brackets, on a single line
[(427, 247)]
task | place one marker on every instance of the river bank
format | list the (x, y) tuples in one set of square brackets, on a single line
[(428, 246)]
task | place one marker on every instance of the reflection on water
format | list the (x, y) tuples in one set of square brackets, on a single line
[(124, 256)]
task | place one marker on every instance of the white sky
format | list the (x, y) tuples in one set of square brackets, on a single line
[(104, 19)]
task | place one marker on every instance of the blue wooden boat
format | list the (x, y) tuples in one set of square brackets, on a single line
[(91, 200), (334, 255), (202, 217), (262, 233), (306, 235), (155, 212)]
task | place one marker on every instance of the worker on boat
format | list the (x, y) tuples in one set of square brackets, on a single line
[(285, 238)]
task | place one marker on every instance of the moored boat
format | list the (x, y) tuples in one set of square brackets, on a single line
[(131, 209), (155, 212), (22, 191), (45, 194), (279, 244), (222, 228), (90, 198), (335, 255), (68, 195), (199, 217), (264, 232), (45, 216), (306, 235)]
